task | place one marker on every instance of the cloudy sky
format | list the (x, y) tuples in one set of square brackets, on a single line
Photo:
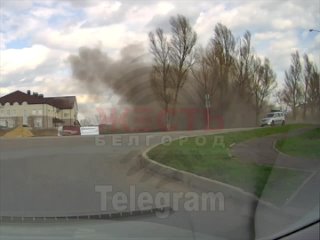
[(38, 36)]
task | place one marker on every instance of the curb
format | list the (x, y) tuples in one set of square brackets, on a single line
[(277, 150), (274, 147), (199, 182), (288, 156)]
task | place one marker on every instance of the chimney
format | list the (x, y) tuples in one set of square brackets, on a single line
[(29, 92)]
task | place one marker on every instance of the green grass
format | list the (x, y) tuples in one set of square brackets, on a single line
[(214, 161), (305, 145)]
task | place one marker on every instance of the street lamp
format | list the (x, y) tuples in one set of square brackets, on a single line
[(208, 105), (314, 30)]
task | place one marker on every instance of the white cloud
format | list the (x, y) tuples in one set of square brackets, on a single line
[(46, 12), (113, 36), (282, 24), (5, 91), (15, 28), (17, 60), (143, 15), (263, 36), (164, 7), (102, 10), (17, 4)]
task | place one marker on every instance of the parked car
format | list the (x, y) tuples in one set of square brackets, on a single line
[(273, 118), (68, 130)]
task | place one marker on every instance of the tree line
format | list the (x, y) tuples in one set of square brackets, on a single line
[(226, 72), (302, 90)]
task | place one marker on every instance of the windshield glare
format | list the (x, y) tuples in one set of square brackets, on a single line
[(158, 119)]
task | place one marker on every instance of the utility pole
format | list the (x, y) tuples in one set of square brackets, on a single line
[(208, 105)]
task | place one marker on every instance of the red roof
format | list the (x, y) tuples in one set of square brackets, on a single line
[(66, 102)]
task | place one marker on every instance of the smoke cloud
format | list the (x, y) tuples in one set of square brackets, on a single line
[(128, 77)]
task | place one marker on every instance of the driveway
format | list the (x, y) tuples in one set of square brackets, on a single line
[(262, 151)]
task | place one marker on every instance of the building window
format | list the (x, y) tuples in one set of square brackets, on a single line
[(38, 122), (13, 112), (8, 112), (65, 115)]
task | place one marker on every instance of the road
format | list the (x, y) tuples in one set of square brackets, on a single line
[(58, 176)]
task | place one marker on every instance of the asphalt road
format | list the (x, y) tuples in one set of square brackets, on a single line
[(58, 176)]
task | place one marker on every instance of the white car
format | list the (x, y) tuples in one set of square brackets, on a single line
[(273, 118)]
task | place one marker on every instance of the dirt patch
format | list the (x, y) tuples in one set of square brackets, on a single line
[(19, 132), (27, 132)]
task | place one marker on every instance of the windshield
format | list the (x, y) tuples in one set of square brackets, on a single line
[(158, 119)]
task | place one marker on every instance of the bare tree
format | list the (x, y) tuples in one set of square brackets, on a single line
[(278, 95), (160, 79), (206, 83), (203, 73), (311, 91), (244, 66), (264, 81), (308, 68), (222, 50), (182, 52), (292, 92), (314, 91)]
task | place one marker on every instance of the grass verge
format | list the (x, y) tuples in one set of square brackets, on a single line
[(209, 157), (305, 145)]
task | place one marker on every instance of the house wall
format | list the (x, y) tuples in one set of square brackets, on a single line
[(68, 116)]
